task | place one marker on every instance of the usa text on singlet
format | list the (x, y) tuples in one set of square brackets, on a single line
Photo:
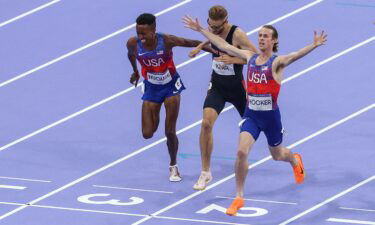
[(262, 89), (157, 65)]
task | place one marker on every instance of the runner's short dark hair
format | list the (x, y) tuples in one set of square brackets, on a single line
[(146, 19)]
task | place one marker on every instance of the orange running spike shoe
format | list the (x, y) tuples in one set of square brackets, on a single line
[(235, 206), (299, 170)]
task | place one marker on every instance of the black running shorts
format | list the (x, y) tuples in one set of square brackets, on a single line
[(217, 97)]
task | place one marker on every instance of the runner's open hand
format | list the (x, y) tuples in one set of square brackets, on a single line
[(319, 39), (191, 23)]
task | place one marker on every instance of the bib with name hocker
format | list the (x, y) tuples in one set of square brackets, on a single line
[(260, 102)]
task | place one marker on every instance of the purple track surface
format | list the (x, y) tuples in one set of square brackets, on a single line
[(71, 149)]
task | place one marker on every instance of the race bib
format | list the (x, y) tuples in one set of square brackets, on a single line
[(260, 102), (159, 78), (222, 68)]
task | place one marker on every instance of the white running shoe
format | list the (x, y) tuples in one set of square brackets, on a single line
[(203, 180), (174, 174)]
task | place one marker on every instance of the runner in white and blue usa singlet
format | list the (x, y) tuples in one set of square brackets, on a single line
[(262, 112), (159, 72)]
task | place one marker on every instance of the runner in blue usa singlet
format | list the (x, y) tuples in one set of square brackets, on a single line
[(161, 79), (162, 83)]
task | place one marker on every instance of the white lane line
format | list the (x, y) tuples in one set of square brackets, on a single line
[(328, 200), (127, 90), (171, 8), (12, 187), (356, 209), (258, 28), (350, 221), (256, 164), (25, 179), (28, 13), (186, 198), (133, 154), (11, 203), (199, 221), (132, 189), (331, 58), (333, 125), (115, 163), (131, 88), (74, 209), (120, 213), (260, 200), (86, 46), (133, 25), (71, 116)]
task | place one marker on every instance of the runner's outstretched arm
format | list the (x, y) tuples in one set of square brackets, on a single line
[(216, 40), (197, 49), (173, 41), (319, 40)]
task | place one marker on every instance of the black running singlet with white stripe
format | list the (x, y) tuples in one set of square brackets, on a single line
[(226, 82)]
